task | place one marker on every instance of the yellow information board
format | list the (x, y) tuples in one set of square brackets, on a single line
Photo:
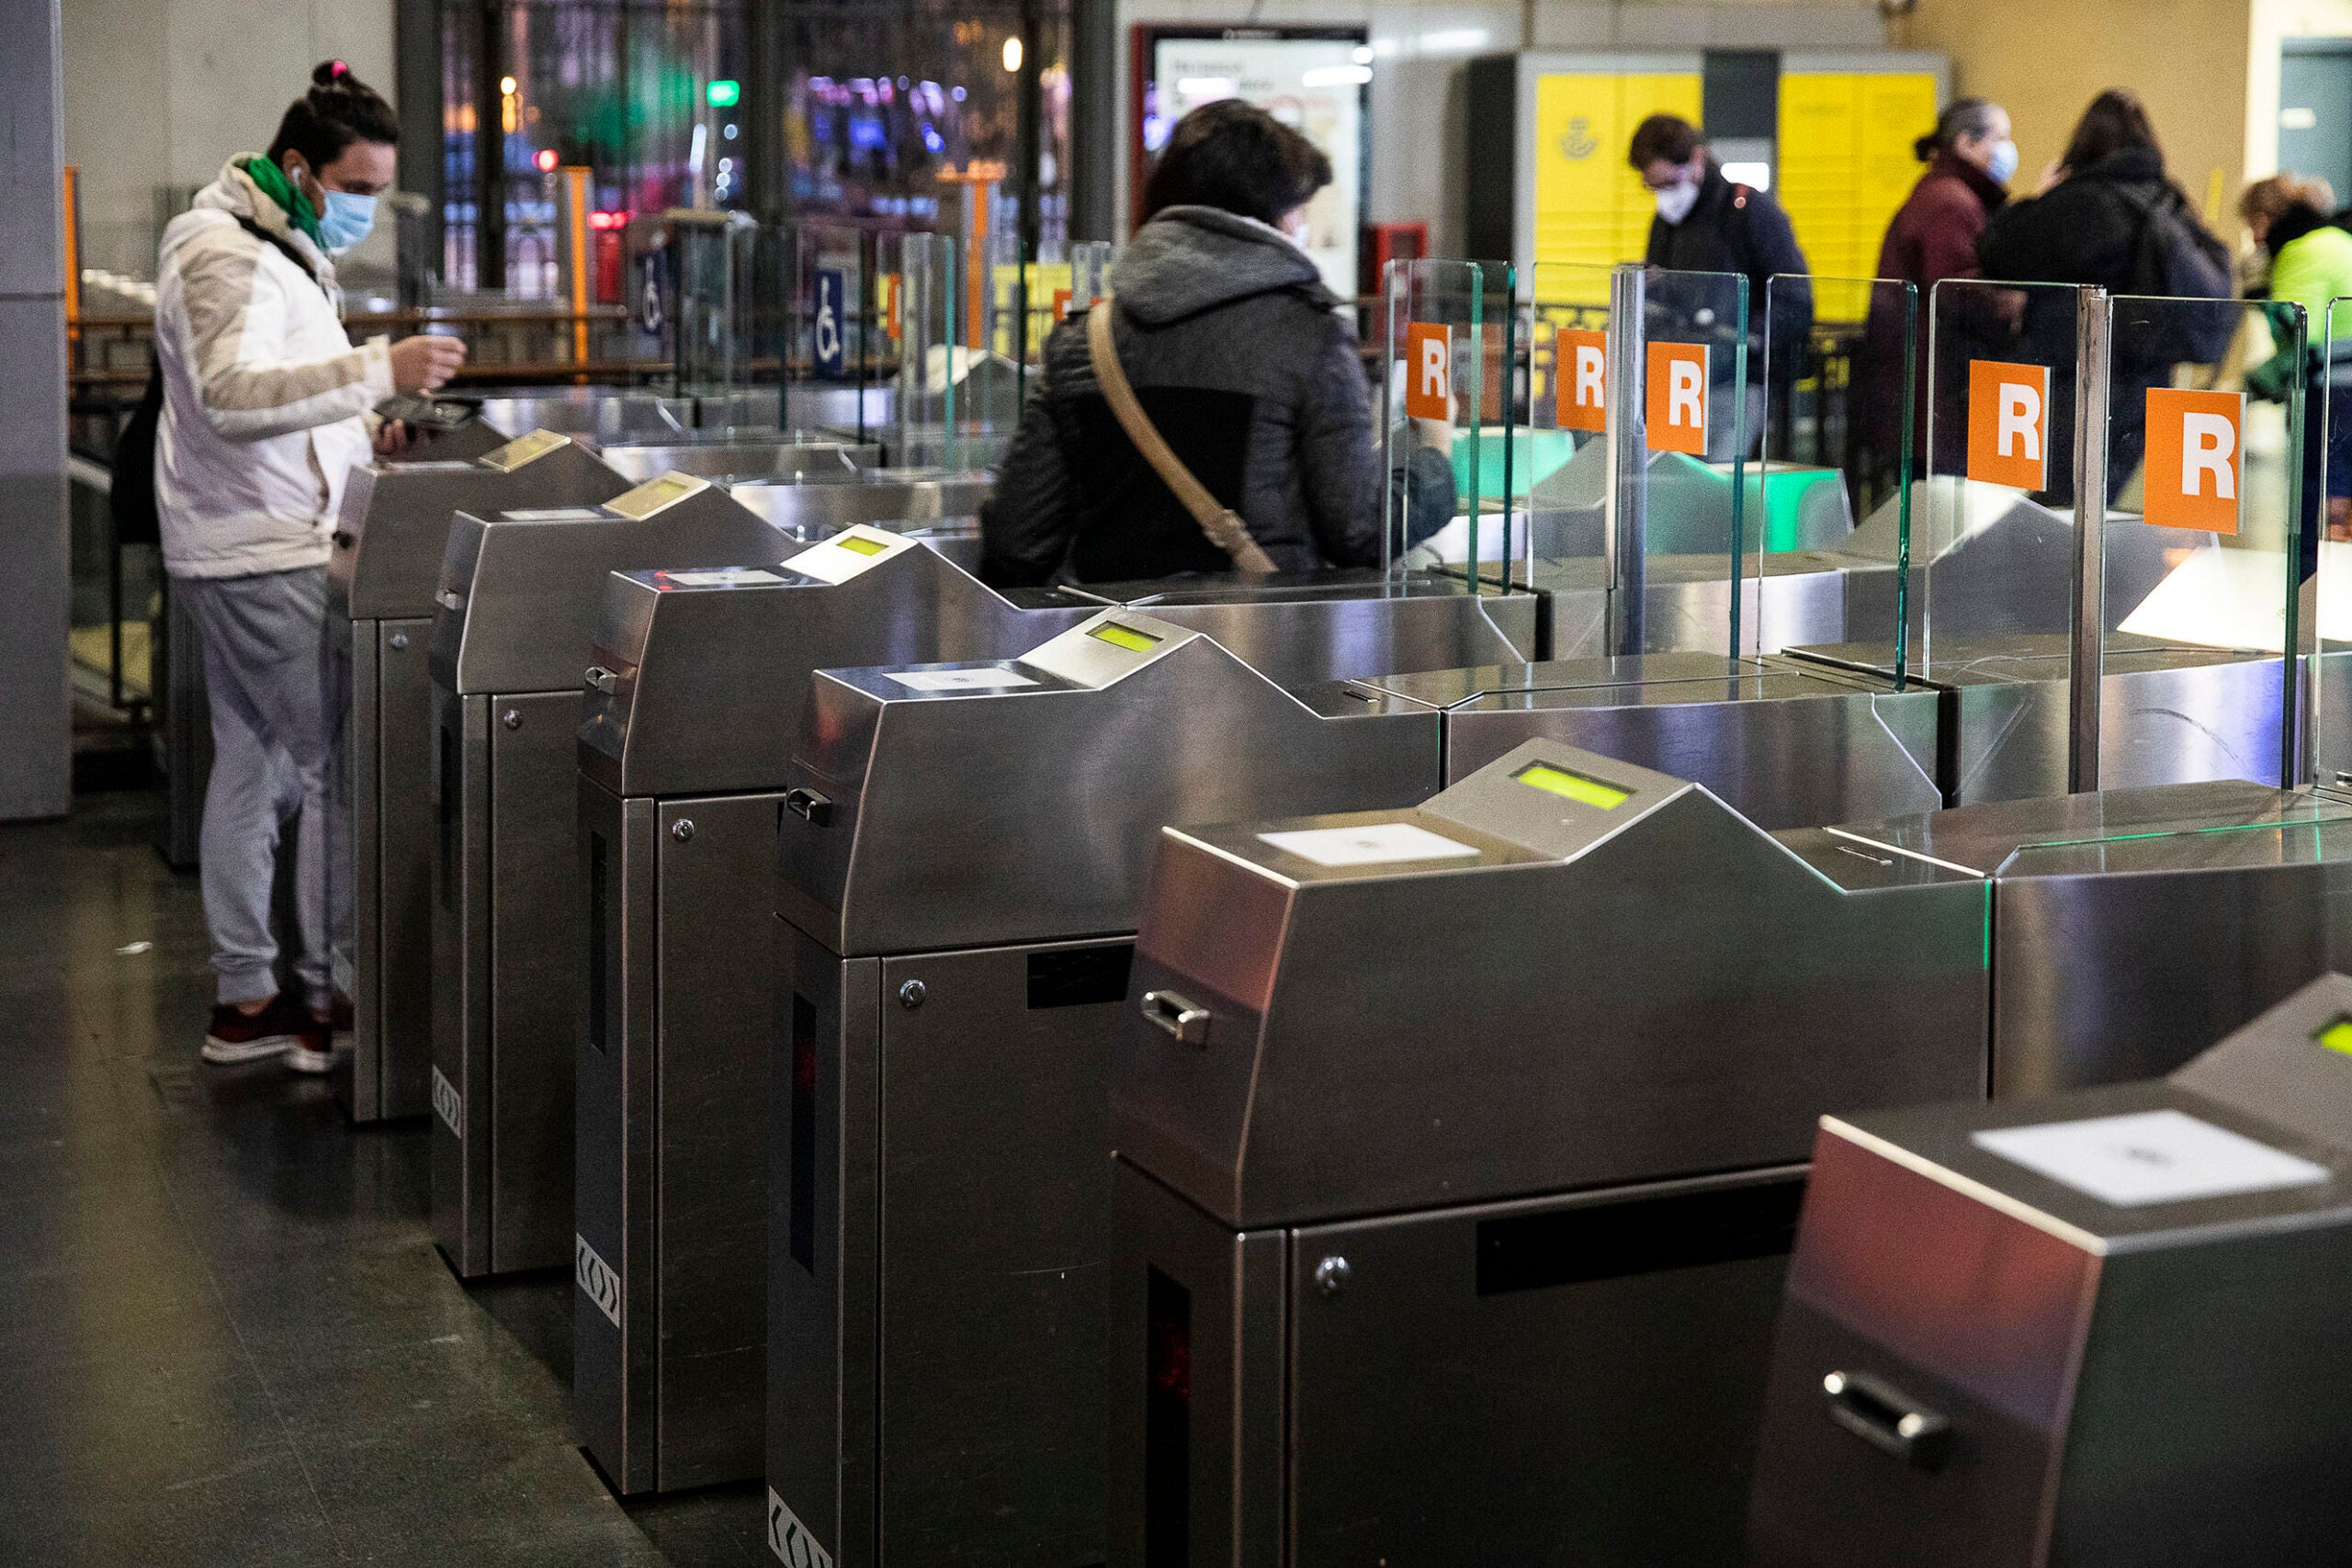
[(1591, 207), (1846, 163)]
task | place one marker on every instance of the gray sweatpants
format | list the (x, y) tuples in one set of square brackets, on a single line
[(263, 646)]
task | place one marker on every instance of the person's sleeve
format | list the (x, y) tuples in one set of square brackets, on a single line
[(1425, 492), (1947, 244), (1339, 467), (237, 316), (1027, 521)]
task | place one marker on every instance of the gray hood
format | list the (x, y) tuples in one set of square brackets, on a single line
[(1190, 259)]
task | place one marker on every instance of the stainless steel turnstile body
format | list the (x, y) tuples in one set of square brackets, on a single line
[(939, 506), (389, 541), (2028, 1336), (519, 598), (1785, 744), (684, 763), (2131, 928), (777, 459), (1460, 1151), (959, 872)]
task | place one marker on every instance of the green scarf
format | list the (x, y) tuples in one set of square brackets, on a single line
[(274, 184)]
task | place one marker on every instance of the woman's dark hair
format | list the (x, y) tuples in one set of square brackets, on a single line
[(2115, 121), (1961, 118), (338, 110), (1235, 155), (1663, 136)]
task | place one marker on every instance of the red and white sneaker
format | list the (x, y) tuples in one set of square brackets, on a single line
[(234, 1035), (312, 1049)]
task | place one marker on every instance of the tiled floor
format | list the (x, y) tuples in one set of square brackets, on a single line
[(225, 1336)]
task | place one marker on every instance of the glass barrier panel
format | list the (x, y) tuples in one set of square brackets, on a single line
[(1559, 479), (1685, 445), (1842, 421), (1431, 368), (1989, 592), (2324, 608), (925, 321), (710, 264), (829, 356), (2202, 542)]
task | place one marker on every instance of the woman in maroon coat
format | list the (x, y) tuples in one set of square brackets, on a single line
[(1970, 159)]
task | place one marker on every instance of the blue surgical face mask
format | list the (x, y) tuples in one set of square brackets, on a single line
[(346, 219), (2003, 164)]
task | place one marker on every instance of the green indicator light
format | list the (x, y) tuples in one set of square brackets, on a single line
[(857, 544), (1127, 637), (1573, 787), (723, 94), (2338, 1036)]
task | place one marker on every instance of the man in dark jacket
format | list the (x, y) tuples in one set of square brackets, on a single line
[(1235, 352), (1705, 223)]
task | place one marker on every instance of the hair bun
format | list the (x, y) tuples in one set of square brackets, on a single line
[(331, 74)]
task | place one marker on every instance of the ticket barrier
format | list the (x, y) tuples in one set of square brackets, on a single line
[(2097, 1328), (519, 598), (388, 543), (960, 864), (778, 458), (2130, 927), (685, 762), (1459, 1152), (939, 506)]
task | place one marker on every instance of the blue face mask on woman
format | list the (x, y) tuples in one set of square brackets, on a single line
[(2003, 162), (346, 219)]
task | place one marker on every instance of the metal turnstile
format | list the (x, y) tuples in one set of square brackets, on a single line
[(961, 856), (518, 600), (1460, 1151), (2100, 1328), (1784, 743), (388, 542), (686, 761), (939, 506), (781, 459), (2130, 928)]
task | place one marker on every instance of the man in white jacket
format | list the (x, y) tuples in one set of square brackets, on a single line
[(266, 408)]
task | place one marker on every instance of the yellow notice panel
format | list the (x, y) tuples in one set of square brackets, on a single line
[(1845, 164), (1591, 208)]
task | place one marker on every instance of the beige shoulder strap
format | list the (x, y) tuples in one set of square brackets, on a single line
[(1224, 526)]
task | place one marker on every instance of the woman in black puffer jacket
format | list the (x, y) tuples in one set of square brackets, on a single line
[(1237, 353)]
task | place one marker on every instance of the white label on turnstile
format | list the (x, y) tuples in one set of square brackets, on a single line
[(595, 1279), (2150, 1156), (790, 1539), (732, 577), (1376, 843), (450, 1103), (958, 679)]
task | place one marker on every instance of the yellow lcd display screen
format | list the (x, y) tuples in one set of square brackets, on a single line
[(1127, 637), (2338, 1036), (1573, 787), (859, 545)]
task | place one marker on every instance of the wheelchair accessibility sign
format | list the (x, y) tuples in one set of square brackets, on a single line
[(829, 344)]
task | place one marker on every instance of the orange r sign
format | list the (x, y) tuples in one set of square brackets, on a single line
[(1677, 404), (2193, 458), (1061, 304), (1429, 370), (2008, 424), (1580, 365)]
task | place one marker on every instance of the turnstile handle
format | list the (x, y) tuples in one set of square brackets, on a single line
[(600, 679), (1171, 1012), (449, 599), (808, 802), (1885, 1417)]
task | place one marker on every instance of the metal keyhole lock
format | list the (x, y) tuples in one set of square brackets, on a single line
[(512, 718), (683, 830), (1331, 1275), (911, 994)]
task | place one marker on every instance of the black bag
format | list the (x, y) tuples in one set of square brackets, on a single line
[(2175, 258), (130, 498)]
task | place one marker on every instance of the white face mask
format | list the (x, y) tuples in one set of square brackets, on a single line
[(1675, 201), (2003, 162)]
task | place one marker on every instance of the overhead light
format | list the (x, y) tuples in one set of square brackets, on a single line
[(1454, 41), (1755, 176), (1336, 76), (1206, 86), (724, 93), (545, 159), (1362, 55), (1012, 53), (507, 86)]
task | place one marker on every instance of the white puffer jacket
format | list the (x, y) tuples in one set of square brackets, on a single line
[(266, 402)]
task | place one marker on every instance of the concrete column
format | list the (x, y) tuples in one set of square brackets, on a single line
[(35, 770)]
